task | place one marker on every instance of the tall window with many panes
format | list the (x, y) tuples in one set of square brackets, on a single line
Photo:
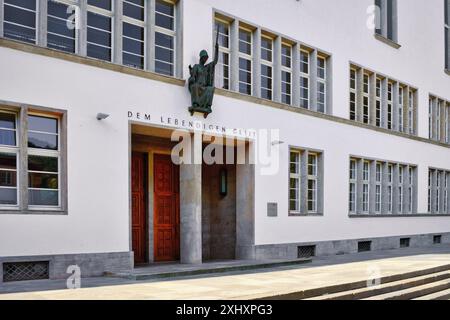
[(43, 161), (266, 68), (134, 33), (223, 65), (286, 73), (99, 29), (61, 31), (353, 94), (9, 153), (245, 61), (353, 186), (304, 79), (165, 37), (20, 20), (447, 34), (321, 84), (366, 98)]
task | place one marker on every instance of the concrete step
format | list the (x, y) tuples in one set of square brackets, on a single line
[(440, 295), (178, 270), (414, 292), (362, 284), (384, 288)]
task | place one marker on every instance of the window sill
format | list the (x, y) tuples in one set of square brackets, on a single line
[(306, 214), (387, 41), (34, 212), (72, 57), (415, 215)]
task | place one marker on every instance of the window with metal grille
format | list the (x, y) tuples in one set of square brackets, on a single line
[(437, 239), (306, 251), (364, 246), (23, 271), (404, 242)]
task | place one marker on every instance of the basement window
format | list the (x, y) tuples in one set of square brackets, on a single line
[(364, 246), (404, 242), (306, 251)]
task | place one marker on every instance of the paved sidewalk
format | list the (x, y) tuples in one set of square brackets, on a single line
[(242, 285)]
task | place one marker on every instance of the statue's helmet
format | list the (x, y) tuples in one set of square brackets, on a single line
[(203, 54)]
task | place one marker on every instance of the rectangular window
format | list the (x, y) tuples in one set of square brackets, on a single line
[(411, 103), (353, 184), (61, 33), (133, 37), (286, 74), (366, 98), (431, 102), (8, 159), (19, 20), (99, 30), (438, 121), (411, 175), (378, 102), (447, 34), (304, 195), (165, 38), (389, 106), (366, 186), (378, 187), (321, 84), (223, 66), (386, 19), (400, 109), (266, 68), (312, 182), (430, 188), (353, 94), (294, 183), (389, 188), (43, 161), (245, 61), (304, 79), (437, 201), (400, 189)]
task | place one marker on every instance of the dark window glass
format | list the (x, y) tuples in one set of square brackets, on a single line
[(20, 20), (134, 9), (40, 163), (104, 4), (43, 197), (7, 121), (164, 15), (378, 16), (164, 54), (43, 180), (42, 141), (8, 196), (42, 124)]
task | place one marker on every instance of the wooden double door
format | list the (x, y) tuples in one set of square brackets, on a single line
[(166, 212)]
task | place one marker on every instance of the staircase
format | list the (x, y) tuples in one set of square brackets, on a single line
[(430, 284)]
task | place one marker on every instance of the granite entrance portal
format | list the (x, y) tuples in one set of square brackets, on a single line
[(188, 212)]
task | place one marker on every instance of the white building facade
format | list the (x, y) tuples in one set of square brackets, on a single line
[(360, 120)]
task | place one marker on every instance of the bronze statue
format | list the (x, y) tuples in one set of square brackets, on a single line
[(201, 82)]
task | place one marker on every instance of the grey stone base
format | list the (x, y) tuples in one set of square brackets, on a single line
[(338, 247), (91, 264)]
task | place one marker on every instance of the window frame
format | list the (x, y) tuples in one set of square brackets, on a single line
[(36, 22), (322, 81), (248, 58), (224, 51), (105, 13), (15, 150), (304, 178), (23, 207), (167, 32), (268, 64), (138, 23), (287, 70), (307, 77), (48, 154)]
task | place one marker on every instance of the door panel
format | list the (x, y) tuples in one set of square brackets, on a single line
[(138, 216), (166, 209)]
